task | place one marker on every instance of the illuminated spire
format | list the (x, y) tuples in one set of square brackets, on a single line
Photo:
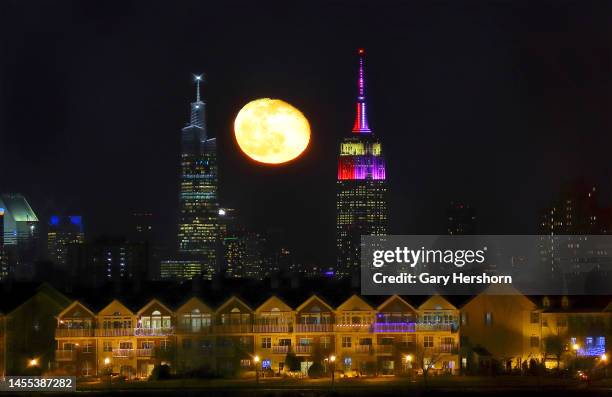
[(197, 107), (361, 119), (198, 78)]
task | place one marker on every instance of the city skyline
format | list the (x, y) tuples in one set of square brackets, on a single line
[(105, 149)]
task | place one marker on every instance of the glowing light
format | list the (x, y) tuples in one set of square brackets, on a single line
[(271, 131), (256, 359), (33, 363), (332, 358), (106, 361), (604, 357), (221, 212), (409, 358), (576, 346)]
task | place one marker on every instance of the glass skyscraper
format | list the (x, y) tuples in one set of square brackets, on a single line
[(361, 201), (198, 205)]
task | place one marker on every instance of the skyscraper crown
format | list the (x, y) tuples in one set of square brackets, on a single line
[(361, 119)]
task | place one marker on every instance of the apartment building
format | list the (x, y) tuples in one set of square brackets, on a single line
[(388, 339)]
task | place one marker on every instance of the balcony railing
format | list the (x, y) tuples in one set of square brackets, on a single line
[(446, 348), (434, 327), (65, 355), (280, 349), (385, 349), (314, 328), (73, 332), (233, 328), (110, 332), (204, 330), (145, 352), (153, 331), (271, 328), (123, 353), (363, 349), (303, 349), (352, 327), (394, 327)]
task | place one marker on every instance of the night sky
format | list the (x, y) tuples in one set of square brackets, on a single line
[(492, 103)]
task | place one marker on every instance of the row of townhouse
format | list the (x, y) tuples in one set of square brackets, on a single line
[(392, 337)]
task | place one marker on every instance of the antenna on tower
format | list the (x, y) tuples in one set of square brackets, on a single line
[(198, 78)]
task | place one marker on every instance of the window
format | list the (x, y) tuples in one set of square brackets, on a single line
[(266, 364), (108, 346), (187, 344), (535, 341), (164, 345), (535, 317), (346, 341), (125, 345), (284, 342), (245, 363), (87, 347), (325, 342), (488, 319), (147, 344), (348, 363), (562, 321), (266, 343), (428, 341)]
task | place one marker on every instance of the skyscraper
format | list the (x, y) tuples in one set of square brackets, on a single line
[(21, 235), (198, 203), (361, 201), (63, 232)]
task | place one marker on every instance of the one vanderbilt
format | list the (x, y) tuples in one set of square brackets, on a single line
[(411, 257)]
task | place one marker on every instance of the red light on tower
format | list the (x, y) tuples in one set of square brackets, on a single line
[(361, 51)]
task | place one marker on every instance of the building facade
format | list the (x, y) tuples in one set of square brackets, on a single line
[(198, 229), (62, 232), (389, 339), (361, 198), (21, 235)]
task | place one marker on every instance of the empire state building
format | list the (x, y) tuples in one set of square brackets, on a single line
[(361, 200)]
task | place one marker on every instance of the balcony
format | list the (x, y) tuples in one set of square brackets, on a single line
[(123, 353), (363, 349), (272, 328), (314, 328), (385, 349), (394, 327), (303, 349), (447, 348), (153, 331), (352, 327), (434, 327), (65, 355), (110, 332), (74, 332), (280, 349), (145, 352), (233, 329), (204, 330)]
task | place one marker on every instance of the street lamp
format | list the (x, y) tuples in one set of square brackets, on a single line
[(32, 362), (108, 369), (256, 360), (576, 347), (332, 360), (604, 357)]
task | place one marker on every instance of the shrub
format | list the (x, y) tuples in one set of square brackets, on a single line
[(160, 372), (316, 370)]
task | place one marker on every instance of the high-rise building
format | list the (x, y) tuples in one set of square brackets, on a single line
[(63, 231), (461, 219), (198, 230), (361, 201), (106, 259), (3, 258), (21, 235)]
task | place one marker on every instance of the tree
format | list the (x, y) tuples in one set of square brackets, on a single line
[(553, 347), (426, 358), (292, 363)]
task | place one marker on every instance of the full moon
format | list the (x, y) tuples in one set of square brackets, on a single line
[(271, 131)]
